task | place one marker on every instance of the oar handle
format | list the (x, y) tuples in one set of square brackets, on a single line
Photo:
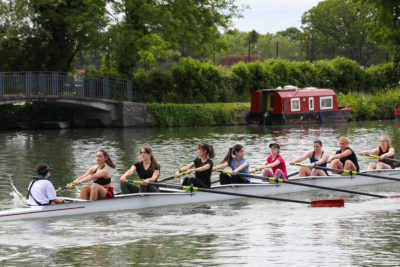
[(377, 157)]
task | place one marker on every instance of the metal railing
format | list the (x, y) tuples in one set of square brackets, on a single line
[(64, 84)]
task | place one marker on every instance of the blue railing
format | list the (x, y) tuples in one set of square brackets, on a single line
[(64, 84)]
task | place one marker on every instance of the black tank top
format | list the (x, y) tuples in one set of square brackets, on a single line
[(101, 180), (352, 157)]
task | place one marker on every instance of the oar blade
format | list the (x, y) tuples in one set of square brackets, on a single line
[(398, 196), (328, 203)]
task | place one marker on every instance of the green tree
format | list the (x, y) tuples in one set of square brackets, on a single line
[(337, 28), (188, 26), (48, 34), (252, 39), (384, 27)]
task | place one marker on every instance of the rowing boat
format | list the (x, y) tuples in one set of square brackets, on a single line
[(178, 197)]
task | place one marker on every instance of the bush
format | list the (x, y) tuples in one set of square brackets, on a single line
[(169, 115), (379, 106)]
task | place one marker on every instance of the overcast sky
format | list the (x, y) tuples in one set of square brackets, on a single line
[(272, 15)]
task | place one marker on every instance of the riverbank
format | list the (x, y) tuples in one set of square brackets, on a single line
[(377, 106)]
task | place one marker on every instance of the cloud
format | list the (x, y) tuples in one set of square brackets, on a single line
[(272, 16)]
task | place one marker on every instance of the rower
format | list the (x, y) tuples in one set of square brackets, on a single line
[(148, 170), (41, 191), (384, 150), (317, 158), (344, 158), (238, 163), (202, 166), (275, 162), (101, 189)]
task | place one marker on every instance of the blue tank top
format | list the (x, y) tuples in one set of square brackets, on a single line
[(313, 159)]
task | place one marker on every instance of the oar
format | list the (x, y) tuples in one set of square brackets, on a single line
[(64, 188), (278, 180), (315, 203), (172, 177), (351, 172), (377, 157)]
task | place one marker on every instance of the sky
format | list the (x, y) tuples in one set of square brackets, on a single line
[(272, 15)]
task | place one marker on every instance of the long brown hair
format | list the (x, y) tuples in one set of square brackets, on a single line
[(109, 161), (208, 148), (232, 151), (153, 161)]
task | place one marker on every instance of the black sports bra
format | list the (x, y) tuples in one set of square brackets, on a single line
[(102, 180)]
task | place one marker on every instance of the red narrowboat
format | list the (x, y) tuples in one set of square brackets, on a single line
[(292, 105)]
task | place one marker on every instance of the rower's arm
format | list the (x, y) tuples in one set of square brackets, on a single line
[(273, 164), (301, 158), (322, 160), (221, 165), (183, 169), (390, 153), (241, 167), (128, 173), (202, 168)]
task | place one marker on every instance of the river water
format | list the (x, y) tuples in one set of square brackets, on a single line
[(252, 232)]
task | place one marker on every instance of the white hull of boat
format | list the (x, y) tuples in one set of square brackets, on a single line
[(149, 200)]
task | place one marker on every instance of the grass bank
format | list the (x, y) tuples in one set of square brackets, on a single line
[(217, 114)]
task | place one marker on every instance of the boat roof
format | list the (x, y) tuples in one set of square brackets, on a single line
[(302, 92)]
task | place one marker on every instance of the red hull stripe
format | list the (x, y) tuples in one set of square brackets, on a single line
[(32, 212)]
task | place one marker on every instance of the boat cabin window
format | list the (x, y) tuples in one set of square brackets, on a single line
[(311, 103), (326, 102), (295, 104)]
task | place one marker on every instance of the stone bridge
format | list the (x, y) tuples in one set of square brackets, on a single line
[(100, 102)]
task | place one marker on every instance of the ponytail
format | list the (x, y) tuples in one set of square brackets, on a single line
[(208, 148), (232, 152), (108, 161)]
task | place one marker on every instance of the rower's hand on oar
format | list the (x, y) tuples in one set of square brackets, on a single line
[(69, 186), (292, 163), (122, 179), (146, 181)]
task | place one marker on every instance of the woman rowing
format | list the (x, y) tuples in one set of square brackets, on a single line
[(99, 174), (202, 165), (384, 151), (317, 158), (238, 163), (344, 158), (275, 162), (148, 170)]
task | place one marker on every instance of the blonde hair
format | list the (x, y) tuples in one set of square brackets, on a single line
[(344, 139), (389, 144)]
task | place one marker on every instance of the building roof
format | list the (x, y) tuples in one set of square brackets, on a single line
[(228, 61)]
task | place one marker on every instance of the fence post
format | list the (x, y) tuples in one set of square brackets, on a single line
[(106, 87), (129, 91), (28, 83), (80, 85), (1, 83), (42, 89), (54, 82)]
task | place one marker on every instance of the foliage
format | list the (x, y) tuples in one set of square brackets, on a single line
[(171, 115), (337, 28), (196, 82), (377, 106), (384, 27)]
